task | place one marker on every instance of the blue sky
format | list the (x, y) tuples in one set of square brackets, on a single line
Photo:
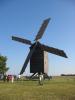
[(23, 18)]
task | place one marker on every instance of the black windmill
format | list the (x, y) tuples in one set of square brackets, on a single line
[(38, 52)]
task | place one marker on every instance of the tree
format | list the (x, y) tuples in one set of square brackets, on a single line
[(3, 68)]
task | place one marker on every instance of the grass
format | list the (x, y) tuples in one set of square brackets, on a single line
[(59, 88)]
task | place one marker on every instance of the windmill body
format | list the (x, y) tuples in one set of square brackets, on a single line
[(39, 60)]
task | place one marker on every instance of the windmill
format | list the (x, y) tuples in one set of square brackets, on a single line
[(38, 56)]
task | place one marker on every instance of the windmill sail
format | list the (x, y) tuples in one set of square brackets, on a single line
[(54, 51), (25, 41), (42, 29), (27, 59)]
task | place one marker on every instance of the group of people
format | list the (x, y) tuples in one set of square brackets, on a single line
[(8, 78)]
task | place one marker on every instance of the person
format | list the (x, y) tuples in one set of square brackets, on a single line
[(8, 78), (12, 79), (4, 78), (41, 79)]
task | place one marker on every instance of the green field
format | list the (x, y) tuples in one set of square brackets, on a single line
[(58, 88)]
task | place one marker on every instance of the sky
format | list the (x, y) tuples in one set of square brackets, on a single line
[(23, 18)]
